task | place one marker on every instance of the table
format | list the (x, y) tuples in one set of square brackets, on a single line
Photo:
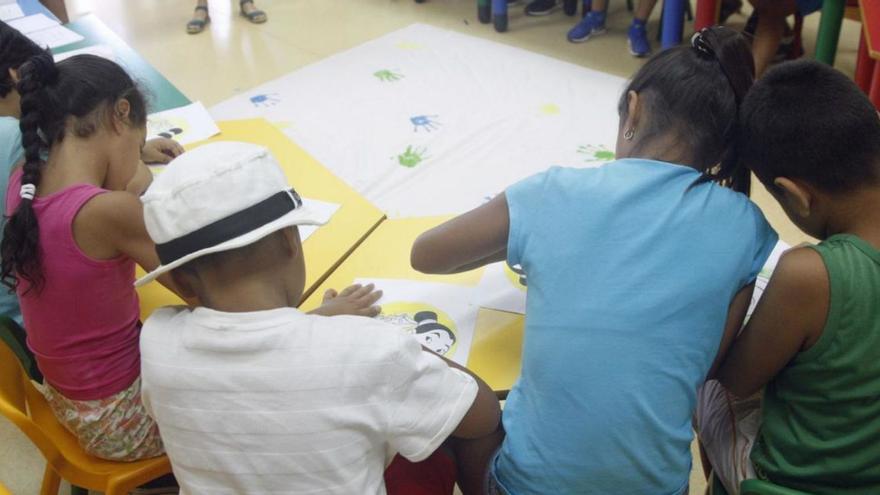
[(497, 347), (165, 95), (327, 247)]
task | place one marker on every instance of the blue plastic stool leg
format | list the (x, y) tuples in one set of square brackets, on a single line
[(673, 23), (499, 15)]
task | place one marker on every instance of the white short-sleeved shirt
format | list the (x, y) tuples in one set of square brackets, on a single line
[(283, 402)]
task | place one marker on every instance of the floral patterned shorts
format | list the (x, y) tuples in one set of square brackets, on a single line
[(116, 428)]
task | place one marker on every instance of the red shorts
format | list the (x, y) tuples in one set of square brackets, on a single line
[(435, 475)]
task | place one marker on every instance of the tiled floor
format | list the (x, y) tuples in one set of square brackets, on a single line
[(232, 56)]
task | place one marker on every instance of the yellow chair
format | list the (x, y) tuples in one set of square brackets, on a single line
[(26, 407), (3, 490)]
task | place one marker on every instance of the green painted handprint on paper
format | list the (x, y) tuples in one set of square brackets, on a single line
[(411, 156), (596, 153), (386, 75)]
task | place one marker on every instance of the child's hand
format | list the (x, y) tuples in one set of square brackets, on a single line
[(354, 300), (161, 150)]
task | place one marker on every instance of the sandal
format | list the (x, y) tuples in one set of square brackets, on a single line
[(196, 26), (256, 16)]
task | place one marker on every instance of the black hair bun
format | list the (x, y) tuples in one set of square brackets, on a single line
[(42, 67)]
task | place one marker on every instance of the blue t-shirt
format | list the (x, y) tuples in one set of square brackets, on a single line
[(11, 153), (631, 271)]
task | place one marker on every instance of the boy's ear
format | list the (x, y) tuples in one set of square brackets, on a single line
[(797, 197), (13, 74), (184, 283), (291, 243)]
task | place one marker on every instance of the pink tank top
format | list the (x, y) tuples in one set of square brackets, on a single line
[(83, 324)]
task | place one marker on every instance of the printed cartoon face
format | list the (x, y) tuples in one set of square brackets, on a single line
[(430, 326), (171, 128)]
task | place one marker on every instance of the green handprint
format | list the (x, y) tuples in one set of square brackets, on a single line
[(596, 153), (386, 75), (412, 156)]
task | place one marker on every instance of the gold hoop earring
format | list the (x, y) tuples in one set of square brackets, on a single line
[(629, 134)]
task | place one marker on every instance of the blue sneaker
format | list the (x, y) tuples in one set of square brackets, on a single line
[(639, 45), (593, 24)]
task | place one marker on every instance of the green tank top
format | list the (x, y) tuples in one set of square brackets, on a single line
[(821, 418)]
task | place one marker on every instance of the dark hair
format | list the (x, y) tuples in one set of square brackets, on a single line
[(808, 121), (15, 50), (84, 87), (695, 91)]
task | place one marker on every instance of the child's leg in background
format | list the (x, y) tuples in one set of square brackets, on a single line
[(591, 25), (638, 30), (727, 428), (771, 27)]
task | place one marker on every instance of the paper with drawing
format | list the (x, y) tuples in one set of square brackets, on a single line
[(185, 125), (438, 315)]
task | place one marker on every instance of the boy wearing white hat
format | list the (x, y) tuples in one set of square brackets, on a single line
[(252, 395)]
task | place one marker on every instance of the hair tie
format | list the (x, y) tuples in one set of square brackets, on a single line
[(701, 45), (28, 191)]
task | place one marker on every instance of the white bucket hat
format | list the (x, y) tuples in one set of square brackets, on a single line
[(218, 197)]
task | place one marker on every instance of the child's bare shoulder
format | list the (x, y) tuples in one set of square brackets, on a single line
[(801, 288)]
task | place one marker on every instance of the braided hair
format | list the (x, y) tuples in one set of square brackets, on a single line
[(76, 96), (695, 91), (15, 50)]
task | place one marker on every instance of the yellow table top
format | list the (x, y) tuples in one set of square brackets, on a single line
[(497, 347), (330, 244)]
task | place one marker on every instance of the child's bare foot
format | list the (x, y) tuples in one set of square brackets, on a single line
[(251, 12), (200, 19)]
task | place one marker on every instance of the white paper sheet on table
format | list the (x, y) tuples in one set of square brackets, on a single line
[(765, 274), (425, 121), (9, 11), (324, 209), (103, 51), (439, 315), (186, 125), (31, 23), (501, 288), (54, 37)]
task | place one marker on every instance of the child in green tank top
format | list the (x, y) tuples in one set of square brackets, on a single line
[(813, 343)]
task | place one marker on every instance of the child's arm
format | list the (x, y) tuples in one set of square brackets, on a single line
[(468, 241), (485, 412), (161, 150), (789, 319), (141, 181)]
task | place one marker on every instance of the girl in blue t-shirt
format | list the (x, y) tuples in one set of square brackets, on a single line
[(639, 274)]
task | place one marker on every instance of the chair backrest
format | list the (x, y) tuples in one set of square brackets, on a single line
[(23, 404)]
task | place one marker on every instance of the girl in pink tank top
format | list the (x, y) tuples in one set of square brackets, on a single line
[(70, 247)]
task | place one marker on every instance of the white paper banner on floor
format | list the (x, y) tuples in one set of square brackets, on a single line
[(10, 11), (425, 121), (103, 51), (440, 316), (187, 124)]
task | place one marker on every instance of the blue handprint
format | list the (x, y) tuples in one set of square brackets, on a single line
[(267, 100), (425, 122)]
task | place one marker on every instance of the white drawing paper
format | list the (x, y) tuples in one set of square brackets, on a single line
[(502, 288), (425, 121), (103, 51), (765, 274), (32, 23), (10, 11), (54, 37), (324, 209), (186, 125), (440, 316)]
